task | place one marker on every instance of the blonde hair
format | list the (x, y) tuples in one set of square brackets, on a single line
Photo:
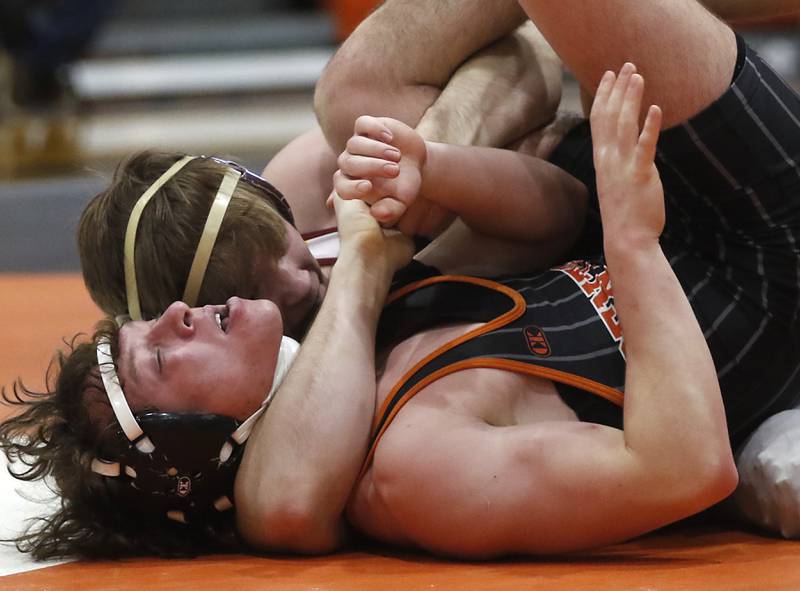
[(252, 233)]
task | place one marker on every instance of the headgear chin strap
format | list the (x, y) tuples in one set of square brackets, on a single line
[(177, 464)]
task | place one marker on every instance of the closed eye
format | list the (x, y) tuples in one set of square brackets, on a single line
[(159, 360)]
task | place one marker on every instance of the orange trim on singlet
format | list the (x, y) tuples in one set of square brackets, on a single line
[(612, 395), (608, 393), (515, 312)]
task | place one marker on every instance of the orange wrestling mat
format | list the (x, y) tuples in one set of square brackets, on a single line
[(40, 310)]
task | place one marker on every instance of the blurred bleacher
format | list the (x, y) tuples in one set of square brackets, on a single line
[(232, 77)]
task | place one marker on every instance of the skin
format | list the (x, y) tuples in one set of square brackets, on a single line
[(296, 284), (505, 439), (184, 362), (310, 521), (326, 403), (498, 87), (481, 74), (503, 450), (531, 201)]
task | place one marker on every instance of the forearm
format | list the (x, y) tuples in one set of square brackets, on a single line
[(305, 454), (460, 250), (499, 94), (503, 193), (674, 417), (399, 59)]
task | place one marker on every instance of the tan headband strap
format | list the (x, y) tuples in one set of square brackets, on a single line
[(131, 285), (210, 231)]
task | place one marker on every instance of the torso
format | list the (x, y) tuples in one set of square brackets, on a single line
[(492, 397), (481, 391)]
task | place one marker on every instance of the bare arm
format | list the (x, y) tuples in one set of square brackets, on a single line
[(655, 311), (562, 486), (494, 191), (304, 455)]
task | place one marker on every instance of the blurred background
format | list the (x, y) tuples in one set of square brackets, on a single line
[(85, 82)]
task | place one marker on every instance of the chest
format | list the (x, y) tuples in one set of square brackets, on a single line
[(493, 395)]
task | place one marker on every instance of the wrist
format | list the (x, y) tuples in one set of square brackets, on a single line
[(428, 170), (630, 250), (355, 294), (361, 266)]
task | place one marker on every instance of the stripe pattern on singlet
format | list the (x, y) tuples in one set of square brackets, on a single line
[(731, 179)]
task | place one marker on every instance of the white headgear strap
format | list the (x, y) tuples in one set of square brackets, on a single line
[(116, 397)]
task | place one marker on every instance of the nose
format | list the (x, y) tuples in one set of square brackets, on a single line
[(176, 320)]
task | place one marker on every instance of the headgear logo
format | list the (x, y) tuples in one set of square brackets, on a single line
[(537, 342), (184, 486)]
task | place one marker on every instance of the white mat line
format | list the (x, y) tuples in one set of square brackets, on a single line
[(20, 503)]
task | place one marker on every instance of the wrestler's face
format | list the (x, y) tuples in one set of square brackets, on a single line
[(189, 361), (295, 283)]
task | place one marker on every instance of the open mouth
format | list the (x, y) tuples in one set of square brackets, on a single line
[(222, 318)]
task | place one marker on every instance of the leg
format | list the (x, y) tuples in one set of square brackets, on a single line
[(497, 95), (399, 59), (686, 54), (491, 99)]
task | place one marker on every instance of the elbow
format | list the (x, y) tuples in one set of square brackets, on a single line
[(715, 479), (302, 529), (726, 478), (693, 481), (292, 528)]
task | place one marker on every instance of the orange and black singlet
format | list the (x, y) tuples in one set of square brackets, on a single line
[(559, 324)]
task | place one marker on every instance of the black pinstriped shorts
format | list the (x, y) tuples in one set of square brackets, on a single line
[(731, 179)]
